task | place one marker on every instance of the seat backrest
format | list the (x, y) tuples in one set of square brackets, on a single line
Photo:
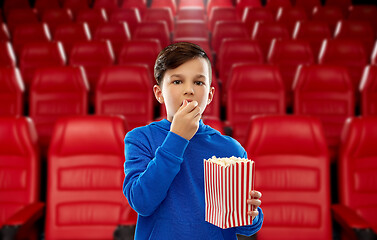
[(8, 5), (221, 14), (129, 15), (160, 14), (7, 56), (56, 92), (289, 16), (19, 165), (43, 5), (56, 17), (93, 17), (288, 55), (108, 5), (40, 54), (75, 5), (368, 90), (265, 32), (357, 167), (21, 16), (27, 33), (227, 29), (116, 33), (140, 52), (126, 90), (153, 30), (83, 176), (191, 13), (4, 32), (11, 92), (349, 53), (292, 172), (93, 56), (243, 4), (233, 51), (358, 30), (373, 57), (308, 5), (274, 5), (329, 14), (314, 32), (326, 92), (252, 15), (344, 5), (70, 33), (253, 89), (140, 5), (171, 4), (217, 3), (363, 12), (190, 29)]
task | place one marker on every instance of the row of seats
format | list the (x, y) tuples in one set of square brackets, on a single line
[(325, 91), (84, 200)]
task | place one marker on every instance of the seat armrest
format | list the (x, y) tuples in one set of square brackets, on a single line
[(228, 130), (354, 225), (22, 220), (127, 224)]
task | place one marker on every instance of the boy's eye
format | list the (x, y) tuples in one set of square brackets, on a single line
[(177, 81), (200, 83)]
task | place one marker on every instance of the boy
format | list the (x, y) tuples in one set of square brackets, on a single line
[(164, 173)]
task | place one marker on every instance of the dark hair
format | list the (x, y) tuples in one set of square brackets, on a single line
[(175, 55)]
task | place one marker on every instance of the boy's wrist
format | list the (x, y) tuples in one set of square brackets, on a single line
[(175, 144)]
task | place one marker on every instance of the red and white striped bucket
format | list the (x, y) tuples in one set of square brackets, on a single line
[(227, 189)]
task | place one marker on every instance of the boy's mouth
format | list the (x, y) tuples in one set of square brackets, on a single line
[(188, 100)]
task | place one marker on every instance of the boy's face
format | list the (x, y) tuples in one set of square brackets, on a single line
[(189, 81)]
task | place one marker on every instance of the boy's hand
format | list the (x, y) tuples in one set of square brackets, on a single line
[(254, 202), (185, 122)]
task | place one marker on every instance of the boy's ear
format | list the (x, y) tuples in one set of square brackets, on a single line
[(158, 94), (210, 95)]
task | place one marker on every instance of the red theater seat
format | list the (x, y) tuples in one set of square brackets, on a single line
[(274, 5), (28, 33), (190, 29), (7, 56), (243, 4), (308, 5), (126, 90), (93, 56), (84, 174), (108, 5), (56, 17), (40, 54), (288, 55), (75, 5), (357, 30), (69, 34), (93, 17), (153, 30), (191, 13), (217, 3), (373, 57), (215, 123), (190, 4), (140, 52), (344, 5), (140, 5), (4, 32), (129, 15), (293, 174), (329, 14), (348, 53), (11, 93), (368, 91), (265, 32), (313, 32), (221, 14), (325, 92), (8, 5), (160, 14), (289, 16), (21, 16), (357, 193), (253, 89), (20, 178), (227, 29), (233, 51), (56, 92), (363, 13), (171, 4), (116, 33), (43, 5), (253, 15)]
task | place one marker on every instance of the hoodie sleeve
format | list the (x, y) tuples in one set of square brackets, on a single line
[(148, 176), (255, 227)]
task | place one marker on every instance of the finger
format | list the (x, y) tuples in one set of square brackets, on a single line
[(254, 202), (253, 213), (190, 106), (255, 194)]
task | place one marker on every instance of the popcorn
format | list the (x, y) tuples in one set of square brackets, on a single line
[(227, 183)]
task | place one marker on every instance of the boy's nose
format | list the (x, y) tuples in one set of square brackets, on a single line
[(189, 89)]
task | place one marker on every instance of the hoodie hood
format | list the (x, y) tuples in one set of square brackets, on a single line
[(203, 129)]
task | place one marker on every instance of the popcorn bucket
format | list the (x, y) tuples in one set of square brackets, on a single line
[(227, 189)]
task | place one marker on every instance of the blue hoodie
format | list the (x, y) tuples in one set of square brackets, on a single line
[(164, 182)]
